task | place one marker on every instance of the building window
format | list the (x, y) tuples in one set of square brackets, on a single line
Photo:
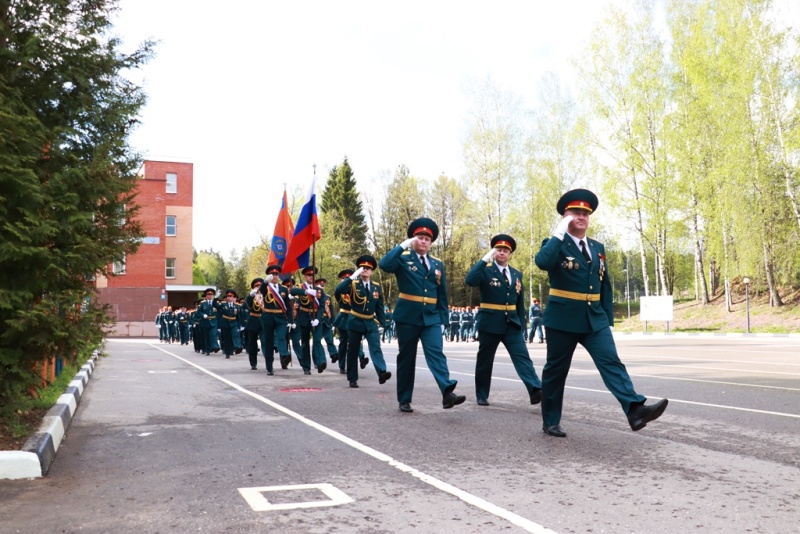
[(172, 225), (119, 266), (172, 182), (170, 272)]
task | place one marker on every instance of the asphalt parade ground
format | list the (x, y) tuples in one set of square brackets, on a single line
[(167, 440)]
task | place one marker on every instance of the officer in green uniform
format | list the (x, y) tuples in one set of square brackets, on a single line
[(292, 332), (309, 320), (253, 325), (273, 299), (209, 311), (420, 313), (580, 310), (229, 322), (327, 321), (501, 318), (366, 317)]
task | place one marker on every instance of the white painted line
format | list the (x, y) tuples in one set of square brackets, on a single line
[(594, 371), (161, 372), (255, 497), (473, 500)]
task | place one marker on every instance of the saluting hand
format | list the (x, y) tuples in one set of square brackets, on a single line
[(408, 242), (489, 255), (356, 274), (561, 229)]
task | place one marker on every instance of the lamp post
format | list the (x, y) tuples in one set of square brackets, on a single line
[(747, 300), (628, 290)]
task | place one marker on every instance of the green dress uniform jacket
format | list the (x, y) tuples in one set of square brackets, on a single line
[(423, 296), (581, 298), (501, 303)]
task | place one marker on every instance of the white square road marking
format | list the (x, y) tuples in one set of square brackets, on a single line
[(161, 372), (255, 497)]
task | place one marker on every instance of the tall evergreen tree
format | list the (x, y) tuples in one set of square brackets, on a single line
[(67, 206), (343, 211)]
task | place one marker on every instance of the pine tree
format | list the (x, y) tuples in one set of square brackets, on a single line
[(67, 182), (343, 210)]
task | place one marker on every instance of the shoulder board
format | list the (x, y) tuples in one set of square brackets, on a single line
[(405, 253), (375, 284), (434, 258)]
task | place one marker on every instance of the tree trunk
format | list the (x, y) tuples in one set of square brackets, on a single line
[(769, 271)]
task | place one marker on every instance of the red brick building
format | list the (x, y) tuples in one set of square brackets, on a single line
[(160, 273)]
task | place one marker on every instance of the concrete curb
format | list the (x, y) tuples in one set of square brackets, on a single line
[(37, 454)]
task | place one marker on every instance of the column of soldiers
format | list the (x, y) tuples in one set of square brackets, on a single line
[(284, 316)]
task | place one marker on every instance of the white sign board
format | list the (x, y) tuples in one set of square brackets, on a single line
[(656, 308)]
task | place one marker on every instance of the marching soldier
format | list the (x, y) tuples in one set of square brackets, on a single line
[(327, 321), (183, 325), (455, 323), (343, 299), (366, 317), (580, 310), (501, 319), (308, 320), (420, 313), (253, 325), (229, 326), (273, 299), (292, 332), (209, 310), (535, 317)]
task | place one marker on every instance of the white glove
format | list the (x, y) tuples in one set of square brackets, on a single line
[(442, 329), (253, 292), (205, 316), (489, 256), (311, 293), (269, 278), (356, 274), (314, 322), (290, 327), (407, 242), (291, 297), (380, 330), (561, 229)]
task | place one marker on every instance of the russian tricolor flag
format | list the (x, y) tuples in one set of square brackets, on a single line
[(306, 233)]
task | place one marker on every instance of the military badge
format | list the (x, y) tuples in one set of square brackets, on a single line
[(569, 263), (375, 294), (495, 282), (519, 286), (438, 276)]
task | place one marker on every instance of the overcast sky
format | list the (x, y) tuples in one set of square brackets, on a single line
[(255, 93)]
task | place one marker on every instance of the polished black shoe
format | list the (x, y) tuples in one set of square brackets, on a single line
[(353, 384), (483, 402), (364, 362), (450, 399), (253, 368), (227, 355), (342, 371), (642, 414), (383, 376), (270, 373), (238, 351), (306, 372), (285, 361), (541, 341), (554, 430), (406, 407), (322, 367), (334, 358), (536, 396)]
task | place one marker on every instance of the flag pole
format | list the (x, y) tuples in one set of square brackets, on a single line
[(314, 241)]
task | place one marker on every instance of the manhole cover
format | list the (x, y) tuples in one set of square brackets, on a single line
[(298, 390)]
